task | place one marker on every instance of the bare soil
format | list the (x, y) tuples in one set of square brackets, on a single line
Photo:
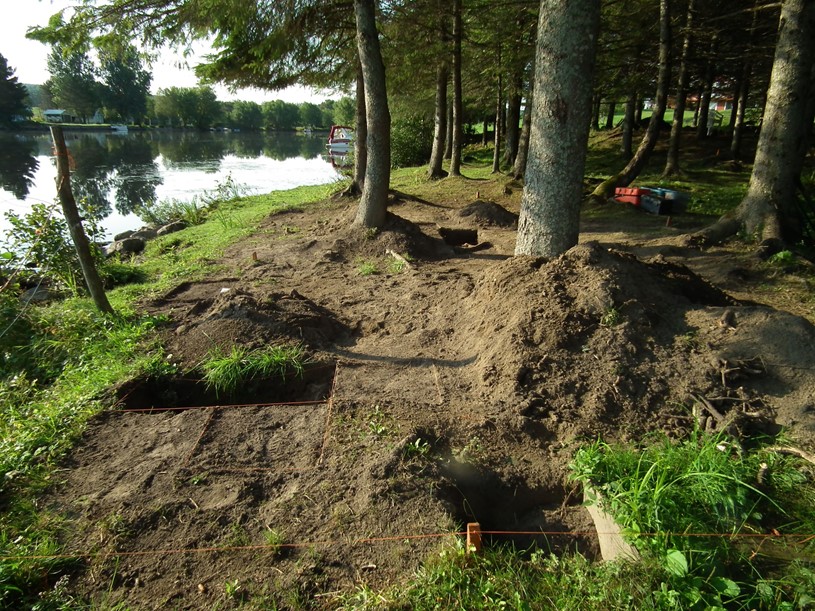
[(454, 390)]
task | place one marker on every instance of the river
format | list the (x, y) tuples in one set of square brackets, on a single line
[(114, 172)]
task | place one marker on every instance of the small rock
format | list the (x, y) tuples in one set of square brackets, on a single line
[(145, 234), (129, 245), (123, 235), (172, 228)]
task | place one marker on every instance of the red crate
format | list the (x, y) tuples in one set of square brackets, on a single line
[(630, 195)]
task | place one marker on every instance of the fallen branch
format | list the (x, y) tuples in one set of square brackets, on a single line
[(399, 258), (792, 452)]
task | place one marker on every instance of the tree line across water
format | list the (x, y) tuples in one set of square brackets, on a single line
[(118, 91)]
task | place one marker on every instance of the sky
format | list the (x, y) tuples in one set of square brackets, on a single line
[(28, 57)]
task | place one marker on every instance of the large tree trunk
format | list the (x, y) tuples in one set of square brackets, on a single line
[(440, 121), (373, 203), (672, 163), (519, 169), (458, 104), (606, 189), (72, 218), (561, 113), (767, 208)]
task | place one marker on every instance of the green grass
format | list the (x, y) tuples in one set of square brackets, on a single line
[(225, 373), (693, 506)]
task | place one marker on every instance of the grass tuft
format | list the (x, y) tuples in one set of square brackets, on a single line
[(226, 372)]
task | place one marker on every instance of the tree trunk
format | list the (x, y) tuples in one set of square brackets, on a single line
[(638, 112), (704, 99), (595, 112), (767, 208), (499, 111), (672, 164), (458, 104), (485, 131), (606, 189), (736, 97), (612, 108), (80, 240), (738, 112), (513, 120), (448, 143), (373, 203), (360, 142), (564, 66), (519, 169), (628, 126), (440, 121)]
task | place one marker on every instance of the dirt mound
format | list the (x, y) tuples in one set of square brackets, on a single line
[(489, 214), (218, 315), (398, 235), (597, 342)]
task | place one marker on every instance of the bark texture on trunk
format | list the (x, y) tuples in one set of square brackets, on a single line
[(499, 112), (561, 113), (83, 248), (704, 99), (458, 104), (519, 169), (767, 210), (440, 123), (672, 164), (628, 126), (612, 108), (512, 128), (373, 203), (360, 144), (606, 188)]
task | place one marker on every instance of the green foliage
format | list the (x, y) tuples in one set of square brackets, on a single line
[(366, 268), (187, 107), (226, 372), (411, 142), (506, 578), (126, 83), (13, 95), (73, 83), (685, 504), (41, 238)]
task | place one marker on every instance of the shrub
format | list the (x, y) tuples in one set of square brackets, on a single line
[(411, 142)]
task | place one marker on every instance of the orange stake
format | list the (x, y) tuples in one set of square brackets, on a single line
[(473, 537)]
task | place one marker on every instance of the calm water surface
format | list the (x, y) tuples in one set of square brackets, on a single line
[(116, 172)]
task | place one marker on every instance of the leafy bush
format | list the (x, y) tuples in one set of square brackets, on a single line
[(411, 142), (41, 238), (687, 504)]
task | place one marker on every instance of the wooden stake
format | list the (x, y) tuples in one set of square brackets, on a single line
[(473, 538)]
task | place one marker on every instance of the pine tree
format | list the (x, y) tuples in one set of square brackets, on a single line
[(12, 95)]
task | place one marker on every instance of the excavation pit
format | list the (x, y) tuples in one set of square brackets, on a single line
[(180, 393)]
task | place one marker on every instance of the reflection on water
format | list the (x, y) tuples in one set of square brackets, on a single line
[(113, 173)]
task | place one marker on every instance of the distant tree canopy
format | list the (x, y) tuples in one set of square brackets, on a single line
[(12, 95), (125, 83)]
